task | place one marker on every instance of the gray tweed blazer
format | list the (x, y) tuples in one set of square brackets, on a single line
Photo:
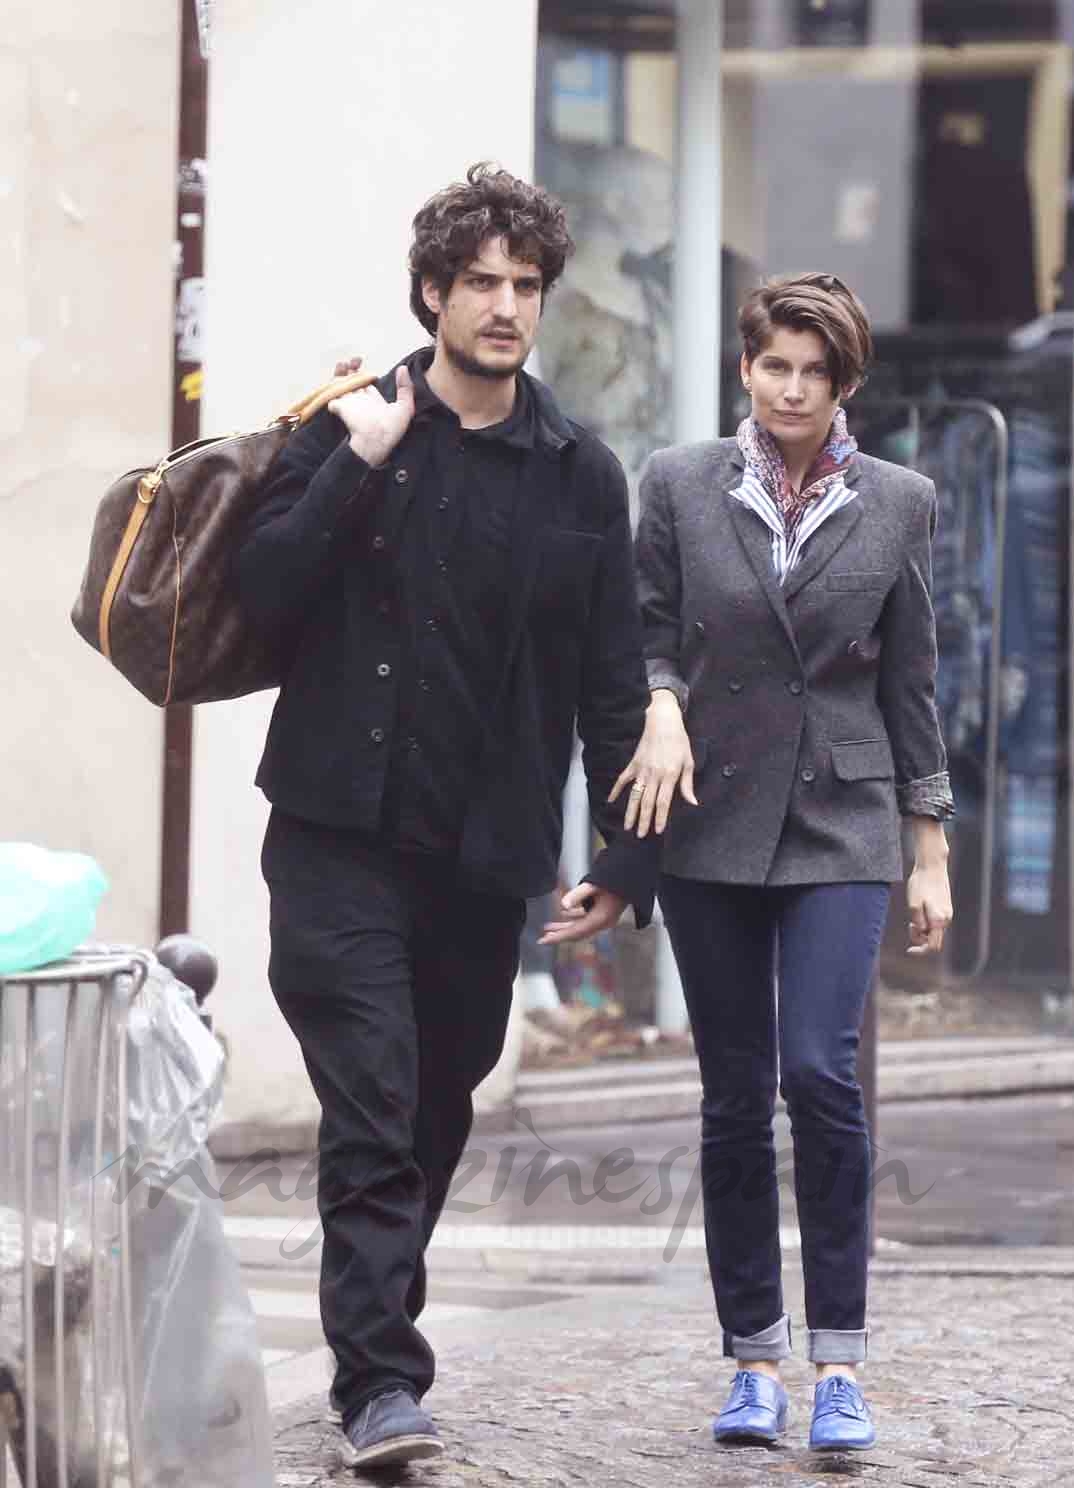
[(810, 707)]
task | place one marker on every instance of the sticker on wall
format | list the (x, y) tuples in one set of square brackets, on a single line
[(205, 13), (192, 176), (188, 313)]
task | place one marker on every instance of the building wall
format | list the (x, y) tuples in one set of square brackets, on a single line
[(324, 139), (87, 152)]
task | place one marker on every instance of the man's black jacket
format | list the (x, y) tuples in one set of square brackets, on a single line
[(315, 572)]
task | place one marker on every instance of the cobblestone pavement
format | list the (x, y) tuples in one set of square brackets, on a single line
[(971, 1383)]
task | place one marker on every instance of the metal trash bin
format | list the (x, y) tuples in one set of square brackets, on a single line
[(128, 1351)]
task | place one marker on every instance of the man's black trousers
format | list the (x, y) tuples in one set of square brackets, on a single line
[(396, 979)]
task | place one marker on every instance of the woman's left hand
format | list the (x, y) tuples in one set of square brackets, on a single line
[(928, 897), (662, 761)]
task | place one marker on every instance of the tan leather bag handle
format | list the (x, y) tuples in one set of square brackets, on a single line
[(312, 403)]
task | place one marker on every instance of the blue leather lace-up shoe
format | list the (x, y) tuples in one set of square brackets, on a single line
[(756, 1410), (841, 1419), (392, 1428)]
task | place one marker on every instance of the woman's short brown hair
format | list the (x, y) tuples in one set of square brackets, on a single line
[(452, 225), (812, 302)]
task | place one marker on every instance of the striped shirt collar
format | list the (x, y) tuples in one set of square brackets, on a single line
[(786, 555)]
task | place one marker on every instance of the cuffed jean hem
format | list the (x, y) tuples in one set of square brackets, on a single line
[(770, 1343), (837, 1345)]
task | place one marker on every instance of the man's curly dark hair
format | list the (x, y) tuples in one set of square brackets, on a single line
[(451, 227)]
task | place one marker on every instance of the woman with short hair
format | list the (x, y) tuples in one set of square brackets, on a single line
[(785, 584)]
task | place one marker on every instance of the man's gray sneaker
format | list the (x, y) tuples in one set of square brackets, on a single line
[(391, 1428)]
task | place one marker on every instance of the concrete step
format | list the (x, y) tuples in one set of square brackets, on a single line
[(607, 1072), (902, 1051), (1004, 1073), (607, 1093), (606, 1104), (972, 1046)]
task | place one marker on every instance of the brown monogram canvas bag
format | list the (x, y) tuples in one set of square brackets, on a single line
[(157, 598)]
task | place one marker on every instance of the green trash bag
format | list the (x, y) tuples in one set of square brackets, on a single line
[(48, 904)]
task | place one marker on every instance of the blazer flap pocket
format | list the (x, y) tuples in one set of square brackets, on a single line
[(863, 759), (847, 583)]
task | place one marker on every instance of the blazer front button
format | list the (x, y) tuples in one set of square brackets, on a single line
[(377, 735), (809, 776), (401, 477), (734, 685), (854, 648), (699, 626), (728, 771), (794, 687)]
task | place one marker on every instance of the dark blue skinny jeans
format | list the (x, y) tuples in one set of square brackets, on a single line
[(818, 944)]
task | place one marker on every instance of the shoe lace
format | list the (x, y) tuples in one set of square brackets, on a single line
[(842, 1393), (747, 1383)]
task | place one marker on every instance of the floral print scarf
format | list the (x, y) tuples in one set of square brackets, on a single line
[(764, 458)]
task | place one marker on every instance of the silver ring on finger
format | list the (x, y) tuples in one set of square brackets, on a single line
[(637, 790)]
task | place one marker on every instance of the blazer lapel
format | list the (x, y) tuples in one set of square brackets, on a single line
[(829, 536), (756, 541)]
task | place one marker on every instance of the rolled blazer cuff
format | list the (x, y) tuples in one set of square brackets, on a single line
[(662, 673), (930, 796)]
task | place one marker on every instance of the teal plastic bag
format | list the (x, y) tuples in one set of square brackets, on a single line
[(48, 904)]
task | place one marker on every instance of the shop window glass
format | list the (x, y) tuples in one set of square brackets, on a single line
[(920, 149), (605, 145)]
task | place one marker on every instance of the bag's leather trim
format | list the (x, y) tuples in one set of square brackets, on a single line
[(122, 558), (306, 408), (175, 614)]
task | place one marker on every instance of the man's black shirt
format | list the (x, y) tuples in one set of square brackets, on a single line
[(451, 573), (321, 573)]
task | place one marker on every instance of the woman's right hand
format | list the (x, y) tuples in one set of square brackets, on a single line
[(662, 761)]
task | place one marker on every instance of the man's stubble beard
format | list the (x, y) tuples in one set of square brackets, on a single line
[(469, 365)]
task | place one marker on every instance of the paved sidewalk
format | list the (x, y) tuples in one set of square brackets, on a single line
[(971, 1382)]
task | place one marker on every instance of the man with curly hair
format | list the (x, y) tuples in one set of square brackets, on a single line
[(445, 561)]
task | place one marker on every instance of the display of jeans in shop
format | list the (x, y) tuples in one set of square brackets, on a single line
[(957, 448), (959, 454), (1034, 632)]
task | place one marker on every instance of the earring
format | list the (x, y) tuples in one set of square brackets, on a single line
[(748, 386)]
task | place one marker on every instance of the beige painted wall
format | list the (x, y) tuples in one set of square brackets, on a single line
[(87, 151), (328, 127)]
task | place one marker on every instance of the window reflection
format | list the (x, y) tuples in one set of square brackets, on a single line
[(921, 151)]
